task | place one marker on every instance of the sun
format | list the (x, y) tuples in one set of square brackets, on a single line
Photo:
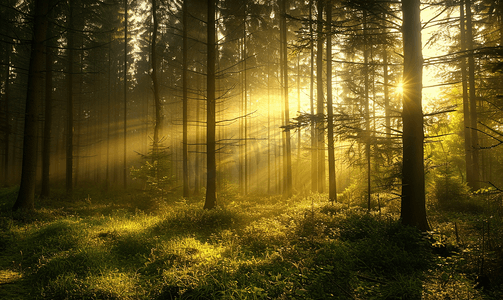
[(399, 88)]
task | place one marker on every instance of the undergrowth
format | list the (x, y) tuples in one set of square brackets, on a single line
[(126, 246)]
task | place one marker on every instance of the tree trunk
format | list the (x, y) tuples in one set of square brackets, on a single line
[(77, 156), (466, 104), (367, 107), (185, 103), (26, 197), (124, 168), (320, 101), (246, 170), (387, 110), (69, 100), (332, 191), (314, 139), (46, 147), (197, 171), (155, 84), (288, 149), (109, 108), (474, 148), (268, 127), (242, 140), (299, 184), (6, 124), (413, 210), (211, 193)]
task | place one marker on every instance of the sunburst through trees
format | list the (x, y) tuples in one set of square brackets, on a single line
[(282, 97)]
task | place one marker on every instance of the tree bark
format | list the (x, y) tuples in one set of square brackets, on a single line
[(246, 170), (367, 108), (69, 99), (109, 108), (26, 197), (268, 127), (332, 188), (7, 125), (288, 193), (413, 210), (466, 103), (124, 168), (185, 103), (474, 148), (314, 138), (155, 82), (211, 193), (320, 130), (46, 147)]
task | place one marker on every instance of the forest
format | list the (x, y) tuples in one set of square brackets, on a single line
[(251, 149)]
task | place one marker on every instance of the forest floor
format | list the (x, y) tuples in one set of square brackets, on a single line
[(132, 246)]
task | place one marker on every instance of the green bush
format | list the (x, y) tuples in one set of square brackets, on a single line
[(155, 171), (448, 190)]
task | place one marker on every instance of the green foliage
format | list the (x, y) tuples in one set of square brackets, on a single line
[(449, 191), (268, 248), (388, 255), (155, 171)]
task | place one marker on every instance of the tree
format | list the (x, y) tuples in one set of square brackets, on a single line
[(6, 126), (46, 147), (314, 141), (185, 101), (284, 71), (125, 168), (320, 126), (332, 191), (155, 82), (413, 210), (211, 186), (26, 196), (69, 97), (474, 147)]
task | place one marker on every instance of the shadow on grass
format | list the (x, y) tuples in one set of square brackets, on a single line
[(285, 250)]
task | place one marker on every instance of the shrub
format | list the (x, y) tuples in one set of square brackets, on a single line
[(155, 171), (448, 189)]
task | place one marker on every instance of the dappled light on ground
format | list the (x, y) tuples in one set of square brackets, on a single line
[(251, 248)]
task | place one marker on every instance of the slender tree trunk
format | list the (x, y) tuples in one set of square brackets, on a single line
[(475, 169), (288, 149), (197, 172), (314, 138), (299, 135), (125, 91), (77, 156), (7, 116), (367, 107), (466, 104), (245, 103), (413, 211), (211, 192), (185, 103), (26, 197), (69, 100), (98, 123), (155, 82), (320, 101), (387, 115), (109, 107), (268, 127), (242, 147), (46, 147), (332, 191)]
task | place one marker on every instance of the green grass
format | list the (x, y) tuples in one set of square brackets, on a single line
[(126, 246)]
